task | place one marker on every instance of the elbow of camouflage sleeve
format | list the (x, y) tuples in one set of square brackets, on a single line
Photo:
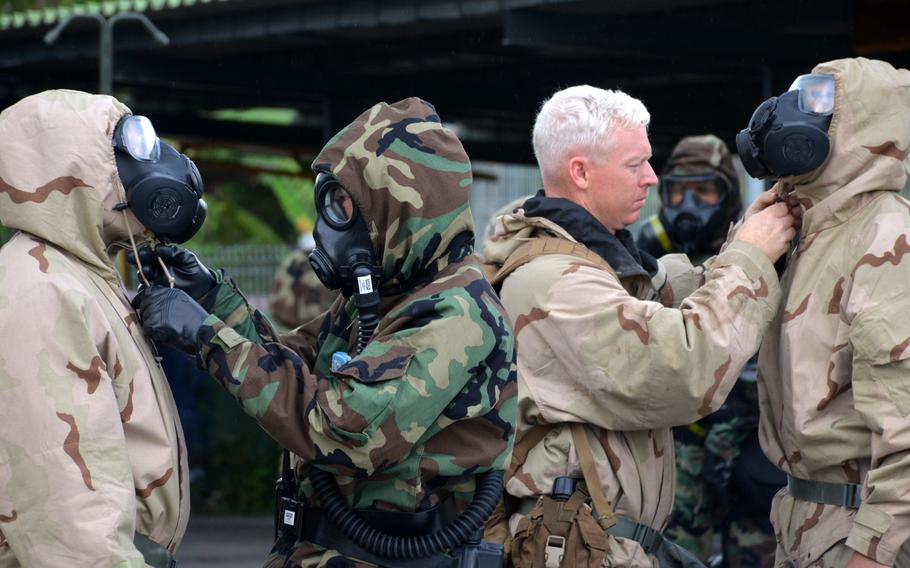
[(874, 535)]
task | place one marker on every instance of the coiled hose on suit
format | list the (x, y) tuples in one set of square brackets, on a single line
[(468, 523)]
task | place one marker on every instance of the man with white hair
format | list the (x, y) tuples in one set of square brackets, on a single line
[(614, 347)]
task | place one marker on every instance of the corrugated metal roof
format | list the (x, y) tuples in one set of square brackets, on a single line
[(51, 16)]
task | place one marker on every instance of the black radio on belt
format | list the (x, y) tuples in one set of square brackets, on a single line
[(288, 510)]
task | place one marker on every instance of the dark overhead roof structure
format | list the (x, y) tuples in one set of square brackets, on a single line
[(699, 65)]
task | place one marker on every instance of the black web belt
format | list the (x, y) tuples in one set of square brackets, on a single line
[(849, 495)]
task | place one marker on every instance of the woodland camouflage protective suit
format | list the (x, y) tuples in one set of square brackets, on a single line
[(91, 448), (604, 349), (430, 402), (834, 372)]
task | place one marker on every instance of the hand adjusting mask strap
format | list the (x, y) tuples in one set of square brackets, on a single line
[(343, 257), (788, 135), (163, 187)]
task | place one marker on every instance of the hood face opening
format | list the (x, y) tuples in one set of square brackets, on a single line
[(869, 136), (58, 176)]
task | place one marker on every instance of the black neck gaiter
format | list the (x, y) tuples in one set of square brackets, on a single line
[(617, 249)]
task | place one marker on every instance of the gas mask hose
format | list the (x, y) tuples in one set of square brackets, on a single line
[(453, 535), (367, 301)]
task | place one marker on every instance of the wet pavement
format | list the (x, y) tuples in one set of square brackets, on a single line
[(225, 542)]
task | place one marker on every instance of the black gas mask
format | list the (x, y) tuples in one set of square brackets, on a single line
[(344, 258), (788, 135), (689, 220), (163, 187)]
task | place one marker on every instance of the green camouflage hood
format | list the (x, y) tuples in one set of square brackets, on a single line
[(411, 179), (702, 155), (58, 176), (870, 137)]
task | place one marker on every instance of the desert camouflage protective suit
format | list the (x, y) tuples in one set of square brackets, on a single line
[(91, 448), (430, 402), (605, 349), (834, 371)]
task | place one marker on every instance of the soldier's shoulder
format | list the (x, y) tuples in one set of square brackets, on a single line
[(33, 268), (548, 269)]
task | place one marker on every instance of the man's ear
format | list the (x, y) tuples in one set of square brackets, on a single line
[(579, 171)]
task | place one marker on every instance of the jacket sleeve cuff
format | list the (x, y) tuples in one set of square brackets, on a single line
[(869, 537)]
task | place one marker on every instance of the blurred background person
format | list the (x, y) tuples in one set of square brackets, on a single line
[(699, 198), (297, 296)]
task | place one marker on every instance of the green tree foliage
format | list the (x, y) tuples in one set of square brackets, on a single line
[(19, 5)]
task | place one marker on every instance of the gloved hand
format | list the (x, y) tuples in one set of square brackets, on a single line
[(190, 275), (170, 316)]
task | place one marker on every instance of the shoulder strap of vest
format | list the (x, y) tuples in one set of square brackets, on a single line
[(543, 246), (523, 447), (606, 518)]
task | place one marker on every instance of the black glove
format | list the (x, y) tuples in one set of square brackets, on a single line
[(190, 275), (170, 316)]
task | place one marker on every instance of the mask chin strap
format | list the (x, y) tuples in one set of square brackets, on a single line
[(122, 207)]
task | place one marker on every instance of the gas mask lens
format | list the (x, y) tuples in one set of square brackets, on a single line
[(709, 189), (816, 93), (136, 136), (336, 204)]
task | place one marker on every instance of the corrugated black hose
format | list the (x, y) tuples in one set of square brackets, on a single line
[(456, 533)]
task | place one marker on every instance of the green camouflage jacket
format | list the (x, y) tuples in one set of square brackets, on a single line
[(834, 372), (611, 353), (91, 448), (431, 401)]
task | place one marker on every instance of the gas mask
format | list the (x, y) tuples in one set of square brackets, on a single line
[(788, 135), (344, 258), (163, 187), (693, 212)]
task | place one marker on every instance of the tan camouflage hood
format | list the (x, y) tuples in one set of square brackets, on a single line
[(411, 179), (870, 136), (57, 162)]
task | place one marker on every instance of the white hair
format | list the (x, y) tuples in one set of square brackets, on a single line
[(581, 119)]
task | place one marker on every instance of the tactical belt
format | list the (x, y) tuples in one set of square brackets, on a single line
[(840, 494), (153, 553), (650, 539)]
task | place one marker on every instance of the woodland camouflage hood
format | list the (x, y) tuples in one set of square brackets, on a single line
[(411, 179), (706, 155)]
